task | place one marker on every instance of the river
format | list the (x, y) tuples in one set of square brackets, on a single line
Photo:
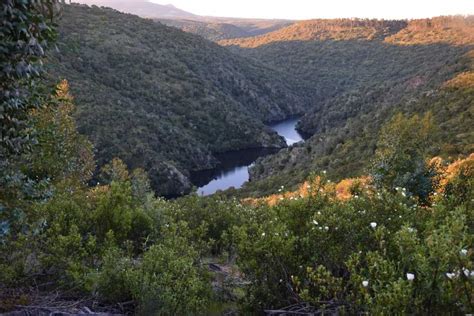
[(233, 171)]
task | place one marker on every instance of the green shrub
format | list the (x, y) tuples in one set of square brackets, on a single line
[(169, 280)]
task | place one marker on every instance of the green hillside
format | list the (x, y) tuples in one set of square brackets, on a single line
[(357, 74), (163, 99), (217, 29)]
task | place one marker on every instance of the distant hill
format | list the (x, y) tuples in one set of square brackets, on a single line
[(163, 99), (357, 74), (143, 8), (212, 28), (209, 30), (322, 30), (216, 29)]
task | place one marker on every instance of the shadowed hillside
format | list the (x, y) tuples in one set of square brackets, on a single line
[(209, 27), (216, 29), (163, 99)]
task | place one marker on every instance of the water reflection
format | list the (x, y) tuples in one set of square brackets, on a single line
[(233, 171), (287, 130)]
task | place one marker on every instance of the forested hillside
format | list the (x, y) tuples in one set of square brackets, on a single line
[(163, 99), (396, 240), (358, 73), (209, 30), (216, 29), (209, 27)]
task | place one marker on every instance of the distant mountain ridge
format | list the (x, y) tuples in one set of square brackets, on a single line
[(454, 30), (212, 28), (217, 29), (143, 8)]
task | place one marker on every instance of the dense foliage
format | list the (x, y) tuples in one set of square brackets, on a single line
[(375, 249), (24, 36), (217, 29), (399, 241)]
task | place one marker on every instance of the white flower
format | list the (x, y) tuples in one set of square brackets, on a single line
[(410, 276), (326, 228), (263, 234), (411, 230), (463, 252), (365, 283), (404, 194), (324, 171), (373, 225), (315, 222), (451, 275), (319, 213), (466, 272)]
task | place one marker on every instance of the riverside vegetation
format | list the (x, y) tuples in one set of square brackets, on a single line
[(396, 240)]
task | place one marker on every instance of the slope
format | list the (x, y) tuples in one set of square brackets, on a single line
[(357, 74), (216, 28), (209, 27), (163, 99)]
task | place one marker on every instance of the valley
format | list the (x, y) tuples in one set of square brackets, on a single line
[(340, 72), (157, 161), (190, 101)]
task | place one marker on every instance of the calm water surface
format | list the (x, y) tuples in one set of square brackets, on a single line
[(234, 169), (287, 130)]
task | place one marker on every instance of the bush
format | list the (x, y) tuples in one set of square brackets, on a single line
[(168, 279)]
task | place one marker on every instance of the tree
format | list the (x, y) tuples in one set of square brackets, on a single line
[(400, 158), (26, 31), (61, 152)]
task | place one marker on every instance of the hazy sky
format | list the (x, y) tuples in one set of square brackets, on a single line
[(306, 9)]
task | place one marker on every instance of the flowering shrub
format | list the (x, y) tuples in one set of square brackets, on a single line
[(379, 252)]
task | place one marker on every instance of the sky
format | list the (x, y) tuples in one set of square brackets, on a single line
[(307, 9)]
